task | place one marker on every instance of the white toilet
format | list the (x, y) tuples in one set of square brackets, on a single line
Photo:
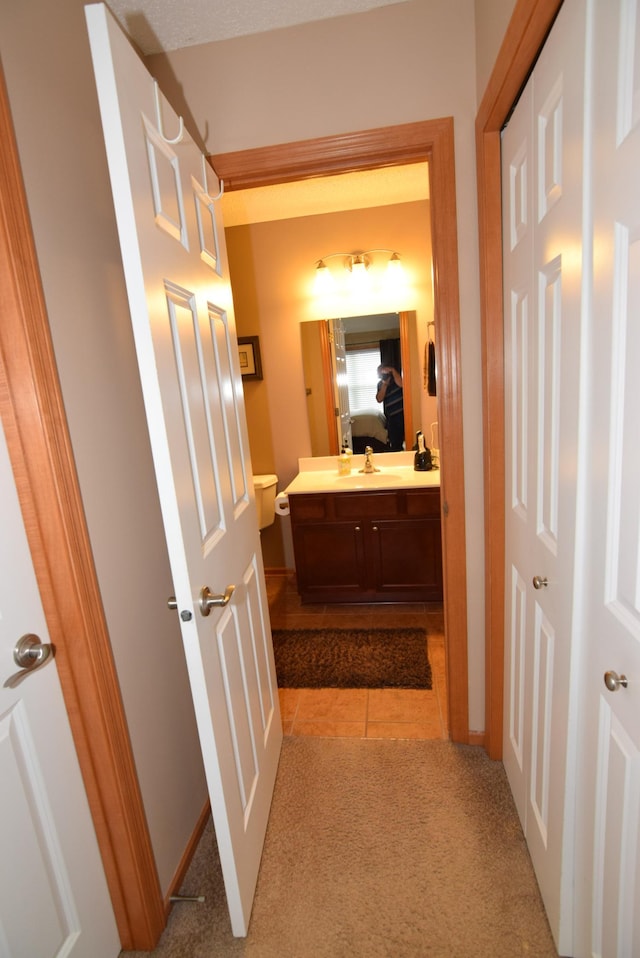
[(265, 487)]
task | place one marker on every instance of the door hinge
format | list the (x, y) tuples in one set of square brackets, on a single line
[(445, 508)]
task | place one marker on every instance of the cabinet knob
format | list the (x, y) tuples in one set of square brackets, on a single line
[(375, 528), (357, 528)]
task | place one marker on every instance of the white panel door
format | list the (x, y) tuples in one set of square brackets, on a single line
[(609, 813), (542, 221), (54, 899), (176, 271)]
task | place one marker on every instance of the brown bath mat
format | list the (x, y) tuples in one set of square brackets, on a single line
[(352, 658)]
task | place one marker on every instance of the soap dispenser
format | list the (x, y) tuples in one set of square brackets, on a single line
[(344, 462), (422, 459)]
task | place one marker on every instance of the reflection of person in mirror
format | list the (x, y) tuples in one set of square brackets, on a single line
[(390, 394)]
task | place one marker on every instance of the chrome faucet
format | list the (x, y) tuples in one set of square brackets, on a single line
[(368, 461)]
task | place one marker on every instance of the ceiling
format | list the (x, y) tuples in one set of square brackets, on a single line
[(162, 25), (327, 194)]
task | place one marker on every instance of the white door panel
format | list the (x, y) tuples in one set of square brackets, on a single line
[(53, 892), (519, 311), (614, 928), (176, 271), (542, 210), (609, 818), (573, 473)]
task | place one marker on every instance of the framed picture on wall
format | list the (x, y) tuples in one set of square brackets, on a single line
[(250, 363)]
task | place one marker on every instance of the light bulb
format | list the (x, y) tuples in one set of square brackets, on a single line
[(323, 282), (395, 268), (359, 281)]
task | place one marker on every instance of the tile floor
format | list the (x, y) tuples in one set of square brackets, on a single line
[(362, 713)]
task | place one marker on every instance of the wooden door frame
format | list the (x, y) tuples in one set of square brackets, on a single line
[(527, 30), (430, 140), (33, 416)]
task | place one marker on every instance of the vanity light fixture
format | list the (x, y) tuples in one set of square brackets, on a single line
[(357, 264)]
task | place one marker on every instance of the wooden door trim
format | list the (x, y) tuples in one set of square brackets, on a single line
[(525, 35), (430, 140), (342, 153), (41, 454)]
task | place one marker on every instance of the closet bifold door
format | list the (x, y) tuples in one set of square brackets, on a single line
[(608, 806), (542, 233)]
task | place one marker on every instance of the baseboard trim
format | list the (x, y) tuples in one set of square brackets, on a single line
[(187, 855), (476, 738)]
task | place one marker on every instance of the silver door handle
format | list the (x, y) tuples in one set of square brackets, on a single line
[(540, 582), (208, 600), (30, 654), (613, 681)]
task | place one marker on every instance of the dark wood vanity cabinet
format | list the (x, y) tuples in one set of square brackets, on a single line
[(368, 546)]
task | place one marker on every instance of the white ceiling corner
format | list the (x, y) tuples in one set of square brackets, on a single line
[(158, 26)]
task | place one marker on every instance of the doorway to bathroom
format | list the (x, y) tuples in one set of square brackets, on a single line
[(432, 140)]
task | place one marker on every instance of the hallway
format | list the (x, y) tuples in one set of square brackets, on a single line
[(376, 849), (384, 838)]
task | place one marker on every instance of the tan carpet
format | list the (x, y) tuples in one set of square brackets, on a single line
[(377, 849)]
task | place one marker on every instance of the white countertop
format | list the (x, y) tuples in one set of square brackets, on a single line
[(320, 474)]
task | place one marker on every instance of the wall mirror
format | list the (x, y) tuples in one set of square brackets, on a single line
[(332, 348)]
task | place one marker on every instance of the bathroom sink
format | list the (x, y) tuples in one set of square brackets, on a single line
[(395, 471), (362, 480)]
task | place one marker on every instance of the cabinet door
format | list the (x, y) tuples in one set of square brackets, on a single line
[(405, 559), (330, 562)]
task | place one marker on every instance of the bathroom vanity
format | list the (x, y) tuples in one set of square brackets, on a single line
[(367, 538)]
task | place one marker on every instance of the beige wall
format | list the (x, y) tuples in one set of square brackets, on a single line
[(398, 64), (492, 19), (45, 56)]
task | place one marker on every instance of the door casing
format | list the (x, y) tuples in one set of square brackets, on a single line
[(431, 140)]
